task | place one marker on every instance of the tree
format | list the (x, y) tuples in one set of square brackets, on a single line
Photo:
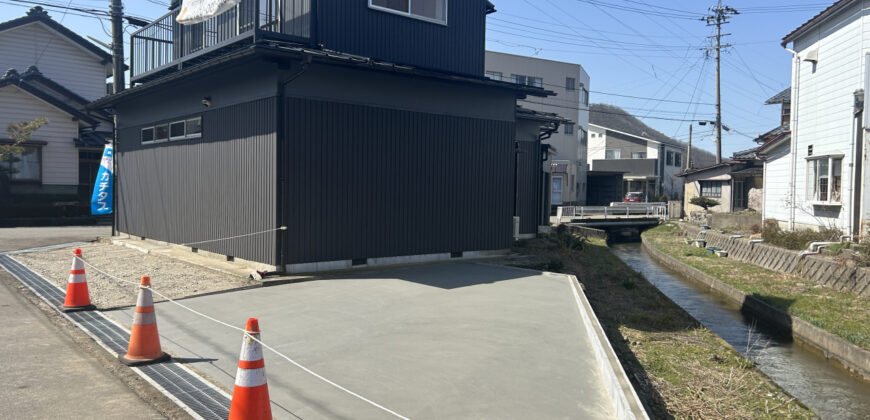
[(19, 133), (704, 202)]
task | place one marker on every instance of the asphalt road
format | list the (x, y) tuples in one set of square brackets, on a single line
[(44, 373)]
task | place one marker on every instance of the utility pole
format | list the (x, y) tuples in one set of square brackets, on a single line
[(116, 11), (719, 16), (689, 149)]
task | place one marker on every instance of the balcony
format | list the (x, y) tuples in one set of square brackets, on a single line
[(165, 44), (630, 167)]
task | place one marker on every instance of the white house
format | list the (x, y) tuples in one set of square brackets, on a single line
[(570, 82), (49, 71), (648, 160), (822, 182)]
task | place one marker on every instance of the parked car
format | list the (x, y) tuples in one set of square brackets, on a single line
[(633, 197)]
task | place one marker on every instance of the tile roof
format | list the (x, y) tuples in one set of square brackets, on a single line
[(35, 83), (93, 138), (37, 14), (781, 97)]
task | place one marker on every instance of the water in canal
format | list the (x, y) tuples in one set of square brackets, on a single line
[(823, 387)]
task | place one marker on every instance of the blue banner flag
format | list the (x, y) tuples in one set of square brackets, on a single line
[(101, 200)]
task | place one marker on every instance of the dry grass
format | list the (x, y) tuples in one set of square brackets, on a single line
[(679, 368)]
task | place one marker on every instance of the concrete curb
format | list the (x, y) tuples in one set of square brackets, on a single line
[(852, 357)]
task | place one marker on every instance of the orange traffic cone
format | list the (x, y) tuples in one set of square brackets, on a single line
[(144, 345), (251, 394), (77, 297)]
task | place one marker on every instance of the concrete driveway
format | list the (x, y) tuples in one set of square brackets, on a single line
[(450, 340), (45, 373)]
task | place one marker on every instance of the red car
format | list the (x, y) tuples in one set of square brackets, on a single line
[(633, 197)]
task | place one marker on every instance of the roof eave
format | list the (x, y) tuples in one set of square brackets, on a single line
[(815, 20)]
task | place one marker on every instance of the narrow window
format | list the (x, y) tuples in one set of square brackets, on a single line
[(147, 134), (584, 97), (570, 83), (176, 130), (556, 196), (193, 127), (678, 159), (669, 159), (161, 132), (569, 129), (583, 137)]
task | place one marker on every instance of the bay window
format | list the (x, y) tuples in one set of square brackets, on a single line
[(824, 179)]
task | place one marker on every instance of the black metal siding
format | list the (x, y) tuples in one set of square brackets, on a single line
[(217, 186), (368, 182), (353, 27), (529, 173)]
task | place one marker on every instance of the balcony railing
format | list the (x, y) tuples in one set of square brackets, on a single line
[(165, 42)]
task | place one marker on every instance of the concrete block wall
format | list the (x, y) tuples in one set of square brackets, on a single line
[(836, 274)]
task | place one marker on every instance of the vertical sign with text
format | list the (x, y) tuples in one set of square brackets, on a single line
[(101, 199)]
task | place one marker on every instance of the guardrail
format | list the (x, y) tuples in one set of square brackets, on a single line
[(639, 210)]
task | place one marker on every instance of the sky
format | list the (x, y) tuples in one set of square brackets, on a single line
[(630, 48)]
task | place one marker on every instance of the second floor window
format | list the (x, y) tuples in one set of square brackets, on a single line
[(678, 159), (527, 80), (570, 83), (435, 10), (638, 155), (583, 137), (494, 75), (584, 97), (612, 154), (669, 160), (569, 129)]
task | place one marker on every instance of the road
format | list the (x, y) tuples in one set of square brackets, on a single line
[(45, 372)]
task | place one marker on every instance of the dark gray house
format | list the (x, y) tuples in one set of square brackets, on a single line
[(366, 128)]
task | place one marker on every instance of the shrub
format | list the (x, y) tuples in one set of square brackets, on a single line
[(568, 240), (704, 202), (796, 240)]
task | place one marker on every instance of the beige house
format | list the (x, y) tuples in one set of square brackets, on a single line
[(733, 184)]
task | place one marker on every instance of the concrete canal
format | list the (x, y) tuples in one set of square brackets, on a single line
[(821, 385)]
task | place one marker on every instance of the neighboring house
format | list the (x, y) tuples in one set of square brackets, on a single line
[(774, 151), (570, 82), (533, 176), (53, 73), (647, 159), (731, 183), (823, 169), (366, 129)]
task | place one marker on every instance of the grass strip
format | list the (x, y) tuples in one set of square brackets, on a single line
[(679, 368), (843, 314)]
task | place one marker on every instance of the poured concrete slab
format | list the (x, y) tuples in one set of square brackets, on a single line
[(438, 341)]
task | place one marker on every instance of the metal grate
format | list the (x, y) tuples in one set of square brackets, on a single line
[(190, 391)]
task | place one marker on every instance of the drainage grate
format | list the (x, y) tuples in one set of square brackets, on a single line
[(198, 397)]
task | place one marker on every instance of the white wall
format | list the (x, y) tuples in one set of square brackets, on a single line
[(56, 56), (822, 111), (566, 103), (60, 160), (776, 192), (671, 184)]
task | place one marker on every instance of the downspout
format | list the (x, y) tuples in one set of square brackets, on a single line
[(281, 151), (793, 125), (853, 193)]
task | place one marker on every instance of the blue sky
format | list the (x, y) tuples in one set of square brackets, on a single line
[(626, 51)]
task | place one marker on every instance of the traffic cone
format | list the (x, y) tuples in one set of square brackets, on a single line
[(77, 297), (144, 345), (251, 394)]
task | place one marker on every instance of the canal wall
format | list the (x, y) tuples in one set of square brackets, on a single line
[(849, 355), (840, 275), (588, 232)]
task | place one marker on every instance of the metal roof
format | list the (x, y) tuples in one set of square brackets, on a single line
[(781, 97), (821, 16)]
